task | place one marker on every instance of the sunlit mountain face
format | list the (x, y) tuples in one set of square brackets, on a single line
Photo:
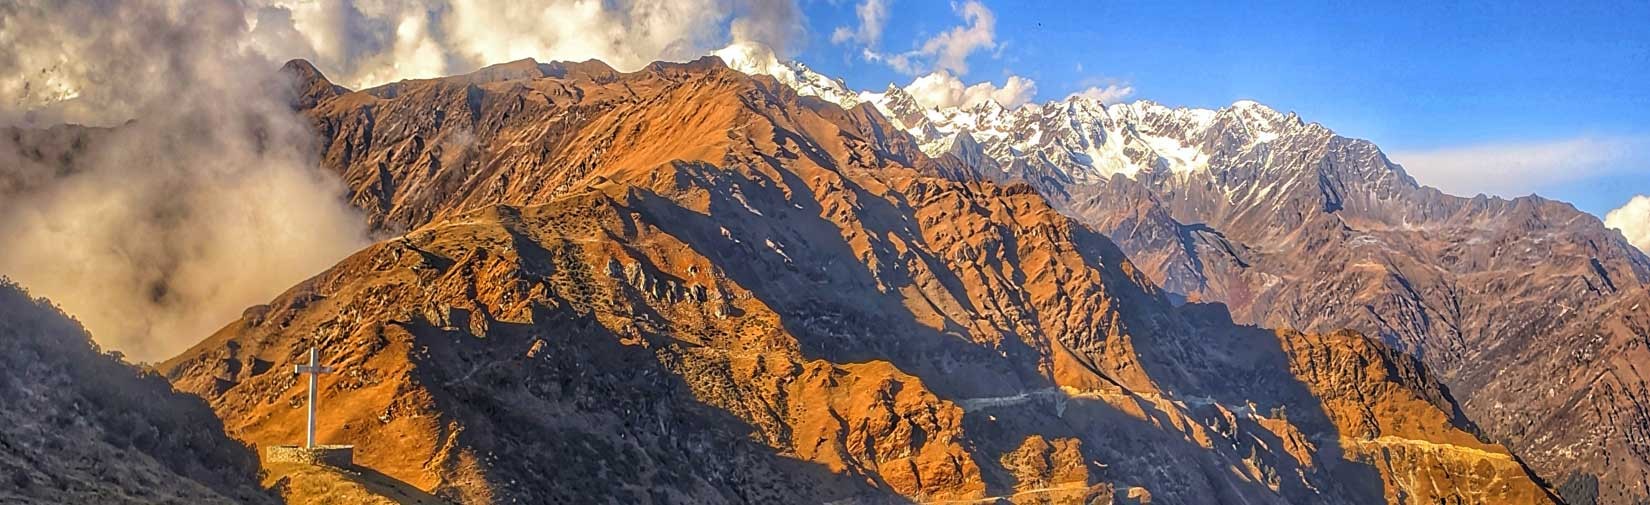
[(1288, 224), (766, 252)]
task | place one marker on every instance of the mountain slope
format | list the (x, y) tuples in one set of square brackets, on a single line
[(77, 425), (685, 283), (1503, 297), (1291, 225)]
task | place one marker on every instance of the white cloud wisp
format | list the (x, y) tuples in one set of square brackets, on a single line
[(1108, 94), (872, 16), (947, 51), (1514, 169)]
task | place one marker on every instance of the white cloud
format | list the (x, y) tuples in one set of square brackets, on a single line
[(1633, 219), (627, 35), (941, 89), (1513, 169), (873, 16), (773, 23), (953, 47), (362, 43), (1108, 94), (415, 54), (949, 50), (905, 63)]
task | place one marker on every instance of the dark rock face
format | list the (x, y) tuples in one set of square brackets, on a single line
[(1530, 310), (685, 284), (80, 426)]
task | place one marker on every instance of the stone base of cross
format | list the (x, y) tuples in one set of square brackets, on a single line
[(341, 456)]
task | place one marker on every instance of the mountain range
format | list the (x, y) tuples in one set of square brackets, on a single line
[(1532, 311), (700, 284), (689, 280)]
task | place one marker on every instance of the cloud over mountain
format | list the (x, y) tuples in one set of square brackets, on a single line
[(363, 43), (1108, 94), (1633, 219), (942, 90), (159, 230)]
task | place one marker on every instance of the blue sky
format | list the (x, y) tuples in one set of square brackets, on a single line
[(1457, 93)]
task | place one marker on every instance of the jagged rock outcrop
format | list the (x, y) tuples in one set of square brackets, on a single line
[(81, 426), (1393, 415), (688, 284)]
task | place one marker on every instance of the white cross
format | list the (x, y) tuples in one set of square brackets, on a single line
[(314, 369)]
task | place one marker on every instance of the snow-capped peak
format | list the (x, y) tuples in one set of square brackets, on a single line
[(1263, 123), (895, 99), (1081, 137), (758, 59)]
